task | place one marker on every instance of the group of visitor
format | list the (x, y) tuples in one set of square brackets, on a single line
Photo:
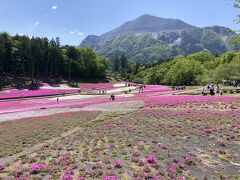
[(214, 90), (141, 88), (127, 84), (102, 92), (178, 87)]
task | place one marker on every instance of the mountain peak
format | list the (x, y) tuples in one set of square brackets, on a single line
[(149, 24), (152, 17), (147, 16)]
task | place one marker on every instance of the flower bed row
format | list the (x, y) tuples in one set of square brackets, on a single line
[(16, 93)]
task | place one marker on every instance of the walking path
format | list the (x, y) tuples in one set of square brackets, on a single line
[(35, 113)]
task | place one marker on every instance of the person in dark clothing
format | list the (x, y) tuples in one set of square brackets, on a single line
[(218, 90), (211, 88), (203, 90), (112, 97)]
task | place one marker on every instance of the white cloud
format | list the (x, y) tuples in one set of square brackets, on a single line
[(76, 32), (54, 7), (36, 23)]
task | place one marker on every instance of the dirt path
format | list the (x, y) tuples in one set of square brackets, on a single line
[(106, 107), (35, 113)]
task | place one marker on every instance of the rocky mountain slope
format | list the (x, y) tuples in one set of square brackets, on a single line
[(149, 38)]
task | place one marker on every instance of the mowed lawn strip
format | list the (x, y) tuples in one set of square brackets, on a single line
[(20, 134)]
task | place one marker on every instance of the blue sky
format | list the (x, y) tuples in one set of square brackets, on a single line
[(73, 20)]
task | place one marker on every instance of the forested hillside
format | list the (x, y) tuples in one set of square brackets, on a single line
[(194, 69), (149, 38), (34, 58)]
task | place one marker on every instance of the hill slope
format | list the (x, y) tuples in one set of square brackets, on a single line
[(149, 38)]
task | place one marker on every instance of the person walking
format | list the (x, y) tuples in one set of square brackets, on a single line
[(217, 90), (112, 97), (211, 88), (203, 90)]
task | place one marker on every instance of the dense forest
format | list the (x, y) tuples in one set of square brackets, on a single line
[(40, 58), (195, 69)]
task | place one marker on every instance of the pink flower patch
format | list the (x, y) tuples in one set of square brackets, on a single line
[(110, 178), (38, 168), (118, 164), (67, 177), (2, 167), (152, 160)]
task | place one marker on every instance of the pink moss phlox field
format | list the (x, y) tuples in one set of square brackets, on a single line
[(150, 99), (156, 142), (174, 100), (171, 137), (26, 105), (16, 93)]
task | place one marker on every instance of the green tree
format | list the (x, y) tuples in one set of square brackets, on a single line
[(184, 72), (116, 64), (123, 63), (72, 54)]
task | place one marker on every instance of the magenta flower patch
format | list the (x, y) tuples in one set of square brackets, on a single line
[(118, 164), (38, 168), (110, 178), (2, 167), (152, 160)]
